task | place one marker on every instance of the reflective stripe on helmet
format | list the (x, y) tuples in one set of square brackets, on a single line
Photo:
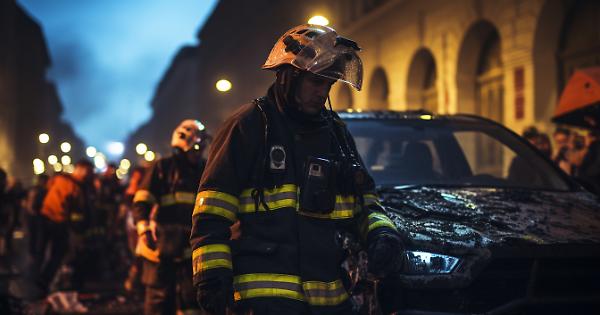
[(377, 220), (217, 203)]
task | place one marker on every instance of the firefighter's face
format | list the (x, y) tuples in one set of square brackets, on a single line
[(312, 92)]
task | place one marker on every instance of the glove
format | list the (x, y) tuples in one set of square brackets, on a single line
[(386, 253), (215, 295)]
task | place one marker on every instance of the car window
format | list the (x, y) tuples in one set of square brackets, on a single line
[(481, 154)]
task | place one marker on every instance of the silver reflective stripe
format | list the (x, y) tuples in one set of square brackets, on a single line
[(208, 201), (215, 255), (271, 197), (268, 285)]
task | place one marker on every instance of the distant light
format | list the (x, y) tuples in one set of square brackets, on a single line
[(44, 138), (125, 164), (65, 160), (69, 168), (318, 20), (65, 147), (115, 148), (121, 173), (91, 151), (38, 167), (58, 167), (359, 110), (149, 156), (223, 85), (141, 148), (100, 161), (426, 117), (52, 159)]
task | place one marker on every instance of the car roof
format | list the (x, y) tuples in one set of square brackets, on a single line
[(359, 114)]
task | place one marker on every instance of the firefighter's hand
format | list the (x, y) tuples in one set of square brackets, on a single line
[(215, 296), (386, 253)]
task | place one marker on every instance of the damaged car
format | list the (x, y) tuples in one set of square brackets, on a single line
[(490, 225)]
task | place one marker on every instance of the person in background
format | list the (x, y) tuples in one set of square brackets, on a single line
[(562, 140), (543, 144), (64, 212), (132, 283), (518, 171), (33, 217), (588, 172)]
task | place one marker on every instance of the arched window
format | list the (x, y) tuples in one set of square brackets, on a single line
[(378, 90), (421, 92)]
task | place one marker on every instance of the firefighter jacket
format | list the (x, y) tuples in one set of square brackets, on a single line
[(283, 252), (66, 201), (166, 199)]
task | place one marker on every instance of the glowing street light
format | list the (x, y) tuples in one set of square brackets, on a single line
[(65, 147), (318, 20), (149, 156), (91, 151), (58, 167), (141, 148), (38, 167), (100, 161), (65, 160), (125, 164), (223, 85), (52, 159), (44, 138)]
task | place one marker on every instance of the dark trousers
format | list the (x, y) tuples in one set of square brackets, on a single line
[(169, 287), (56, 241)]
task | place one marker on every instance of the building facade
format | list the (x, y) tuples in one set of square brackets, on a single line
[(29, 103)]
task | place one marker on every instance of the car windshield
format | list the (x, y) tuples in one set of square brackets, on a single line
[(442, 152)]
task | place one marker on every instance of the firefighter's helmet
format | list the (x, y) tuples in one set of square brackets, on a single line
[(190, 134), (320, 50)]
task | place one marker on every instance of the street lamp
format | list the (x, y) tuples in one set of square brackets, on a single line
[(91, 151), (44, 138), (125, 164), (223, 85), (38, 167), (149, 156), (141, 148), (52, 159), (65, 147), (318, 20), (65, 160)]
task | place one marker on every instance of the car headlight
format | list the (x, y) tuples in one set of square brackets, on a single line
[(425, 263)]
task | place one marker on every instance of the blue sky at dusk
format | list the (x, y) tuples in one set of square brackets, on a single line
[(108, 56)]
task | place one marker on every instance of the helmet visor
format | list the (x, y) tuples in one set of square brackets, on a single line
[(326, 57)]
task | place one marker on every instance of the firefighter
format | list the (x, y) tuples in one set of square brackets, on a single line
[(162, 208), (65, 212), (288, 171)]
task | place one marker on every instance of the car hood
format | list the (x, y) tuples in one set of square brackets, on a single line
[(482, 217)]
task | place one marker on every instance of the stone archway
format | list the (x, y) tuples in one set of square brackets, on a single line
[(479, 72), (378, 90), (421, 90)]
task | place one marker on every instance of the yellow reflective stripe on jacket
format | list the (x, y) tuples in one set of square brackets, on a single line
[(267, 285), (285, 196), (217, 203), (377, 220), (143, 195), (211, 256), (179, 197), (324, 293), (371, 199), (344, 209)]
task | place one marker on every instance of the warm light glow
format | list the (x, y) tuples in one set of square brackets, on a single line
[(125, 164), (100, 161), (149, 156), (69, 168), (52, 159), (426, 117), (121, 173), (65, 160), (141, 148), (58, 167), (38, 166), (91, 151), (44, 138), (115, 148), (223, 85), (318, 20), (65, 147)]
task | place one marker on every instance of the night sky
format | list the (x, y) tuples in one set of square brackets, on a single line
[(108, 56)]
